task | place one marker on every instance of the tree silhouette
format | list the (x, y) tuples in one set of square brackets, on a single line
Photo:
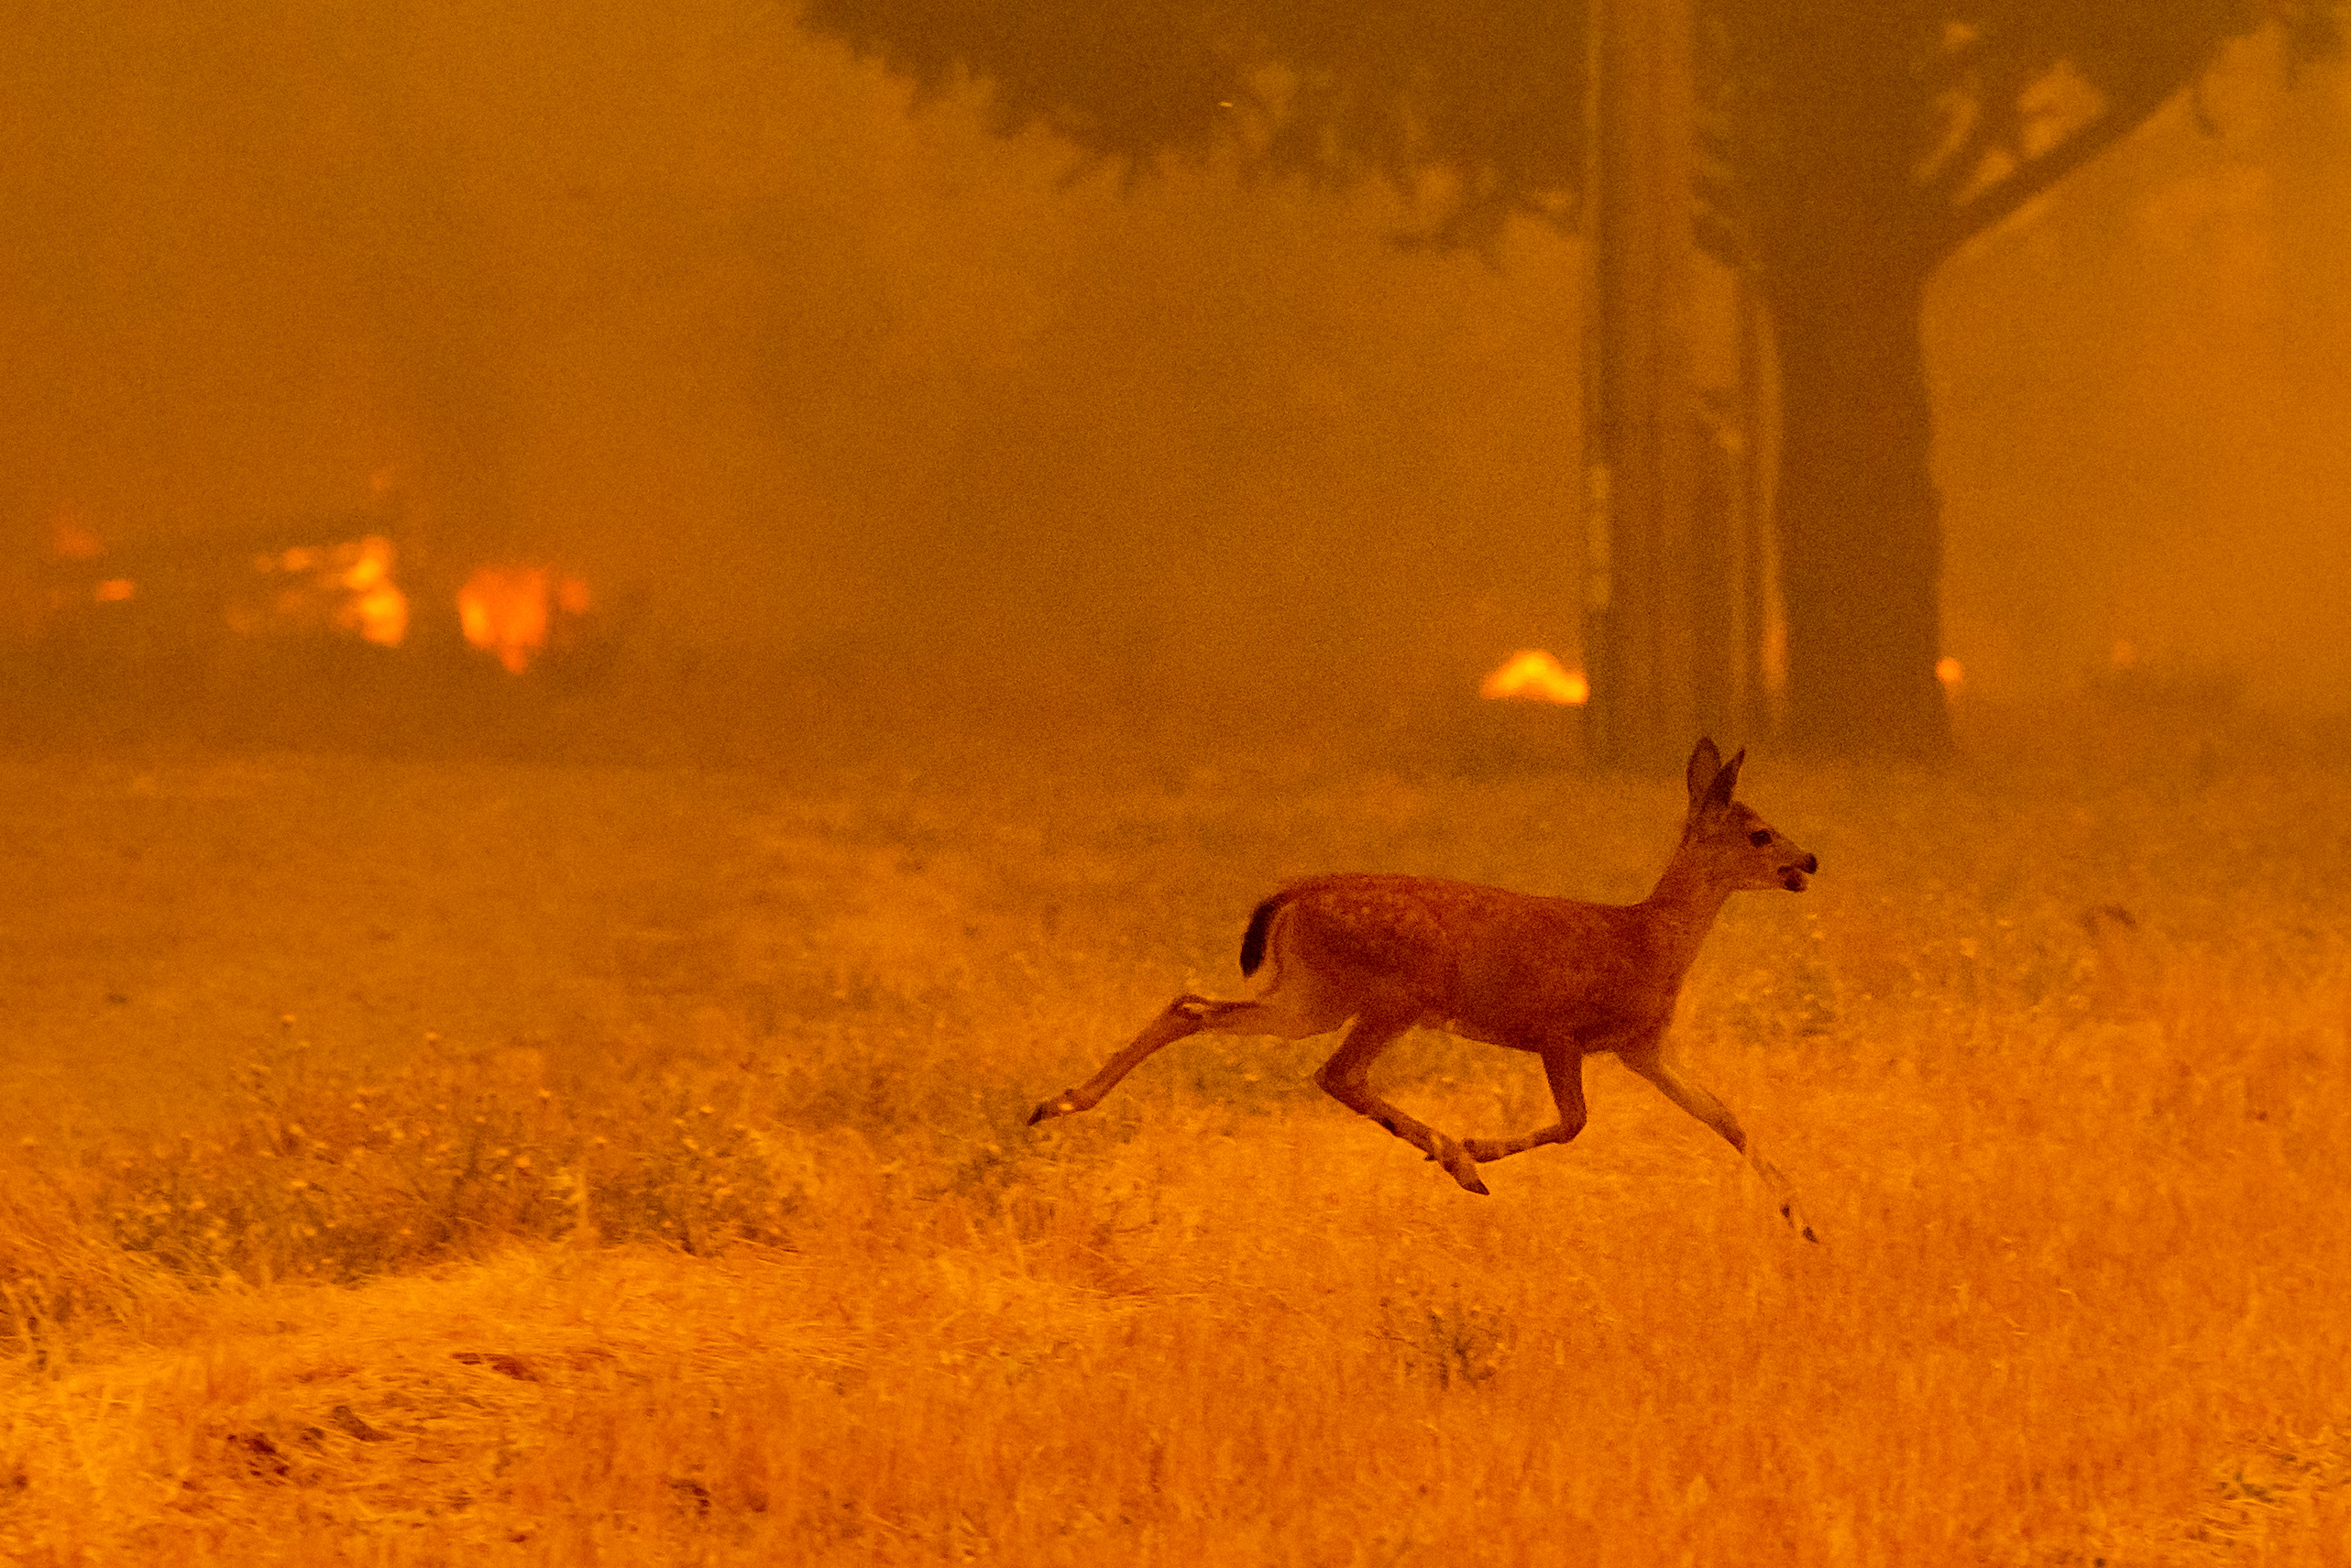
[(1846, 148)]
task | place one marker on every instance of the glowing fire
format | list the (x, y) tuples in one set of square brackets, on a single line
[(349, 587), (506, 610), (1533, 676), (114, 590), (1948, 671), (378, 610)]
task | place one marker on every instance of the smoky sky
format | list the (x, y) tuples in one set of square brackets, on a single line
[(688, 303)]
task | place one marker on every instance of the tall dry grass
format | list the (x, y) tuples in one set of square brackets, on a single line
[(795, 1285)]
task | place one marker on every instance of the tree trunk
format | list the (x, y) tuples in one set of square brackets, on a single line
[(1859, 524)]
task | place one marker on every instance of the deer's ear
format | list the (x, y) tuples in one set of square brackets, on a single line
[(1705, 763), (1717, 794)]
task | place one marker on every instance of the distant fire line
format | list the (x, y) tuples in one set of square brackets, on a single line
[(514, 612)]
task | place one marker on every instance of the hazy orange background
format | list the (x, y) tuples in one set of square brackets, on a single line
[(688, 300)]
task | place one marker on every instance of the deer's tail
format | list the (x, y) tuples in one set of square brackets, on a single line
[(1253, 940)]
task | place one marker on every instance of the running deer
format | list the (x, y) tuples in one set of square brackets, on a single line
[(1556, 977)]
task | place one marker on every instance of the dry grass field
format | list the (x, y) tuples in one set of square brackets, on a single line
[(436, 1161)]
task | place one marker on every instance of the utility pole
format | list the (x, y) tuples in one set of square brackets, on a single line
[(1641, 637)]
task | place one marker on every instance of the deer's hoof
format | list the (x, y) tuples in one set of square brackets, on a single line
[(1461, 1168)]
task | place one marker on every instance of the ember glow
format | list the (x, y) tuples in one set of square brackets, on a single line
[(1534, 676), (378, 610), (1951, 674), (508, 610), (347, 586), (69, 541), (504, 610)]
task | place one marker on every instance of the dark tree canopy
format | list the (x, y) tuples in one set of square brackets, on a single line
[(1953, 116), (1969, 109), (1488, 98), (1845, 149)]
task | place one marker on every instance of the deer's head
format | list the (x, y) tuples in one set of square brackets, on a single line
[(1739, 845)]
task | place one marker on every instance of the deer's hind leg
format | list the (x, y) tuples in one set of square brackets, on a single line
[(1185, 1016), (1564, 1068), (1343, 1078)]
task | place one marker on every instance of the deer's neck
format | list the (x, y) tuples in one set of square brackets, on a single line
[(1681, 908)]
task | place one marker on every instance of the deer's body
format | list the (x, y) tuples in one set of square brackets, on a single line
[(1508, 969), (1556, 977)]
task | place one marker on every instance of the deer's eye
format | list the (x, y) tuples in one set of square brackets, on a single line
[(1760, 836)]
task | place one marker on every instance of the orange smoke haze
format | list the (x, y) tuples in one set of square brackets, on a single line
[(691, 303)]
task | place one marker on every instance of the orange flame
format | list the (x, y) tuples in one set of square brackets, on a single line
[(504, 611), (347, 586), (114, 590), (1951, 672), (516, 612), (1532, 675), (378, 609)]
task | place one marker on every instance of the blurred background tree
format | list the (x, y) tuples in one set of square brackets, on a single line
[(1844, 149)]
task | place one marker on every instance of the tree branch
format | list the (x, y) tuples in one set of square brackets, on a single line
[(2123, 116), (1996, 126)]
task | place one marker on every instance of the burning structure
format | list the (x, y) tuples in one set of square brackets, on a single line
[(323, 595)]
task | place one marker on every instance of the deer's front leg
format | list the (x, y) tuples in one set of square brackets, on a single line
[(1695, 1098)]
